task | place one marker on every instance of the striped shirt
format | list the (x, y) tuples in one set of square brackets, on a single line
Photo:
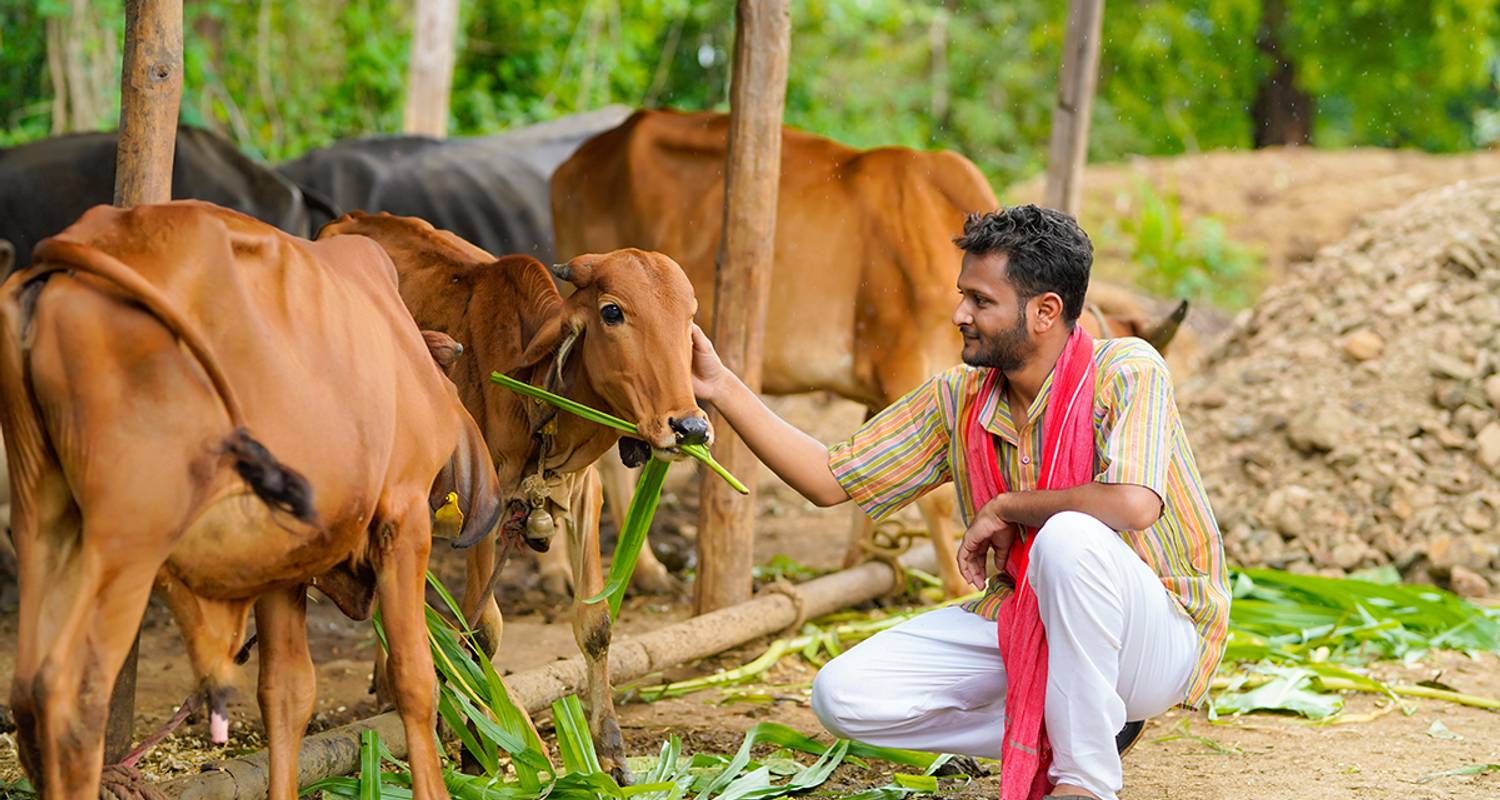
[(915, 446)]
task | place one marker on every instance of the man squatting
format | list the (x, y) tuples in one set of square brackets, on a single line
[(1098, 516)]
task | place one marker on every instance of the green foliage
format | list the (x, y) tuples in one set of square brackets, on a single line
[(978, 77), (1174, 258)]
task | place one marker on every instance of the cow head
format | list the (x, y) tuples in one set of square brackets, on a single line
[(630, 320)]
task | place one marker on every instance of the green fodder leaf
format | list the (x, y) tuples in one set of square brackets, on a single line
[(633, 535), (482, 749), (1473, 769), (336, 786), (1288, 690), (596, 416), (920, 783), (369, 765), (573, 737), (570, 406)]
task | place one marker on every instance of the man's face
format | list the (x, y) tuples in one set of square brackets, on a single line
[(991, 316)]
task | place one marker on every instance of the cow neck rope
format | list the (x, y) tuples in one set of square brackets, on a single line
[(540, 486)]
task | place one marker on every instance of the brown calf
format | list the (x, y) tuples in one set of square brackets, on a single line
[(138, 352)]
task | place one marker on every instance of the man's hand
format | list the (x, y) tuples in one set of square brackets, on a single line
[(709, 372), (987, 532)]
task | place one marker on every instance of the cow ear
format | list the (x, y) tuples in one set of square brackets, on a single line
[(544, 341), (7, 257)]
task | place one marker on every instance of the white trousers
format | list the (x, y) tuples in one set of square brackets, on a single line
[(1119, 648)]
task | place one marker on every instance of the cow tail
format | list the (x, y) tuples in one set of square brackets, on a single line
[(280, 486)]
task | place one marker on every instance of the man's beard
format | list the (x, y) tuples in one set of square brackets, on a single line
[(1006, 351)]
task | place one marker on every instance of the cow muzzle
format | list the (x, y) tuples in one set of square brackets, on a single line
[(690, 430)]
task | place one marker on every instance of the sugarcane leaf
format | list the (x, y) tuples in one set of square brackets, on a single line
[(633, 535), (1473, 769), (1288, 690), (573, 738), (698, 451), (369, 765)]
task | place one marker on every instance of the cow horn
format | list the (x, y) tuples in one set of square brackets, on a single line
[(562, 272), (1161, 335), (7, 257)]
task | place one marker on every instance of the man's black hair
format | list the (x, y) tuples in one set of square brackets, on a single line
[(1045, 251)]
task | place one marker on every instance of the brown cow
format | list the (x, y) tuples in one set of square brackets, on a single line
[(862, 289), (620, 342), (139, 351)]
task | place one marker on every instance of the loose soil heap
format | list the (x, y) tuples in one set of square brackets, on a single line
[(1352, 418)]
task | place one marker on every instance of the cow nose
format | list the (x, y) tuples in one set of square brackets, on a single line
[(692, 430)]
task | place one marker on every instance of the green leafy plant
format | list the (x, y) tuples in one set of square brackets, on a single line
[(1194, 259)]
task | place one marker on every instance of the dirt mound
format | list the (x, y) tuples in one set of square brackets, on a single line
[(1352, 418), (1286, 202)]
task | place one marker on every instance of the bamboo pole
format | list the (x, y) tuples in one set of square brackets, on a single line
[(743, 283), (336, 751), (150, 93), (1075, 100)]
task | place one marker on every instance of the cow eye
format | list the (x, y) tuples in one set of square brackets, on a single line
[(612, 315)]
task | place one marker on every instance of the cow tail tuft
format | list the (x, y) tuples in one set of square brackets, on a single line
[(278, 485)]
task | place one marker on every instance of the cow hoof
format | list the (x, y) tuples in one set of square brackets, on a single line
[(610, 744)]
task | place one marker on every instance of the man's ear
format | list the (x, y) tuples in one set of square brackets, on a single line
[(1049, 311)]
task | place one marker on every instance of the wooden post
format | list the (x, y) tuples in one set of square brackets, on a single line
[(1075, 99), (150, 91), (429, 76), (757, 95)]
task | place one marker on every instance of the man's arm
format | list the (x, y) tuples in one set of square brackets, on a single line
[(796, 457), (1121, 506)]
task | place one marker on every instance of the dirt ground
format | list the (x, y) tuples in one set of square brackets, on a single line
[(1290, 202), (1384, 758)]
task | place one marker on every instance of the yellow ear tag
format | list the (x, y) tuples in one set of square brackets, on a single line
[(449, 515)]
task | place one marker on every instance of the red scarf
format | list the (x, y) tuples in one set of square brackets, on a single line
[(1067, 461)]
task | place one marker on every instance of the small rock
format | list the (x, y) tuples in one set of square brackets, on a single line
[(1448, 394), (1286, 510), (1446, 551), (1467, 583), (1363, 345), (1321, 428), (1488, 442), (1492, 390), (1348, 555), (1443, 365)]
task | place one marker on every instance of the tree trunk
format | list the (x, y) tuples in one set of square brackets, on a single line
[(1075, 101), (762, 39), (150, 96), (81, 57), (1282, 114), (429, 78)]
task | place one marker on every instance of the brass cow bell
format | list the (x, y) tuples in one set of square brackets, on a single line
[(539, 529)]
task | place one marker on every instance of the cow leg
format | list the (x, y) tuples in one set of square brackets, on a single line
[(288, 683), (214, 631), (554, 568), (400, 583), (479, 563), (650, 576), (937, 512), (91, 602), (591, 624)]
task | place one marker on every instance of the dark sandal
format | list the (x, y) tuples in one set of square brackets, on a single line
[(1128, 736)]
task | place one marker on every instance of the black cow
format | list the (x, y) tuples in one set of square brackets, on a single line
[(490, 190), (45, 186)]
